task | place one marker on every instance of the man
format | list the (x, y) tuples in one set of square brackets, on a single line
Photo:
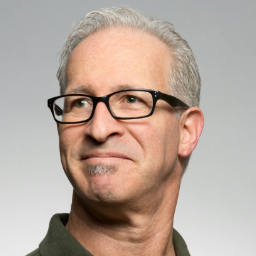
[(128, 120)]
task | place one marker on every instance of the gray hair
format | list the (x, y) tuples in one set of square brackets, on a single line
[(184, 81)]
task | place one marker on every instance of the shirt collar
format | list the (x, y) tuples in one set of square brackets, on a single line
[(59, 241)]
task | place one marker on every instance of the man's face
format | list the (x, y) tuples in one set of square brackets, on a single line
[(138, 158)]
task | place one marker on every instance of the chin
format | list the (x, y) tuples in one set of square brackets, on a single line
[(110, 183)]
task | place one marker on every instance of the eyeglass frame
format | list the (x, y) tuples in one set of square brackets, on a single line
[(156, 95)]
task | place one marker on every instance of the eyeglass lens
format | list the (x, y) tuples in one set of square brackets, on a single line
[(126, 104)]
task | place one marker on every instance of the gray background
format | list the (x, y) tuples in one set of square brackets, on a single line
[(216, 211)]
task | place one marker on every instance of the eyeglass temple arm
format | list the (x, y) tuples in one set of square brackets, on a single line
[(173, 101)]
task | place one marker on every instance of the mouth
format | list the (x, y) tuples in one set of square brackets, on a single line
[(105, 156)]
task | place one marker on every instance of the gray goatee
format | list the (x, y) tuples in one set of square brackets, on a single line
[(101, 169)]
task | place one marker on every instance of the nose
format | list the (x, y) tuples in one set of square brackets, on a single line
[(103, 125)]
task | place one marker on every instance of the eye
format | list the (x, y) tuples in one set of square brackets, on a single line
[(80, 103), (131, 99)]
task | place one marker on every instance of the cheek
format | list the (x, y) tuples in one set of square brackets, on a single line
[(162, 147), (69, 137), (158, 137)]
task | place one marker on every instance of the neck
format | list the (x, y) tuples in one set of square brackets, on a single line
[(125, 230)]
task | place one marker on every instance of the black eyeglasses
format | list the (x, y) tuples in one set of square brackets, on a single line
[(125, 104)]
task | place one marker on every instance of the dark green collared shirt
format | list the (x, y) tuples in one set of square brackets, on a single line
[(59, 241)]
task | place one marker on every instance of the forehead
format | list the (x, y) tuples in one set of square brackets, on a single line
[(118, 57)]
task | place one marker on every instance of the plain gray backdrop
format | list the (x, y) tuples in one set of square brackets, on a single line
[(216, 211)]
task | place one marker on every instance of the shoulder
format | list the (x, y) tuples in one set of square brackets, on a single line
[(34, 253), (179, 244)]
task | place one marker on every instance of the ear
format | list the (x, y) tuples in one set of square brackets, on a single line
[(191, 126)]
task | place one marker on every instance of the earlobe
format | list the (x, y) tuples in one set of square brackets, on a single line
[(191, 126)]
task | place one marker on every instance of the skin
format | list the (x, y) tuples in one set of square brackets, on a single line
[(129, 211)]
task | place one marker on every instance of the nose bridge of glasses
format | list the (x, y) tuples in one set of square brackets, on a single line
[(104, 99)]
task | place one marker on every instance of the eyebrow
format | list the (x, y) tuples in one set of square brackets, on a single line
[(125, 87), (80, 89), (88, 89)]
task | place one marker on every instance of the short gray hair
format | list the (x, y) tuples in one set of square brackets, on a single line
[(185, 82)]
